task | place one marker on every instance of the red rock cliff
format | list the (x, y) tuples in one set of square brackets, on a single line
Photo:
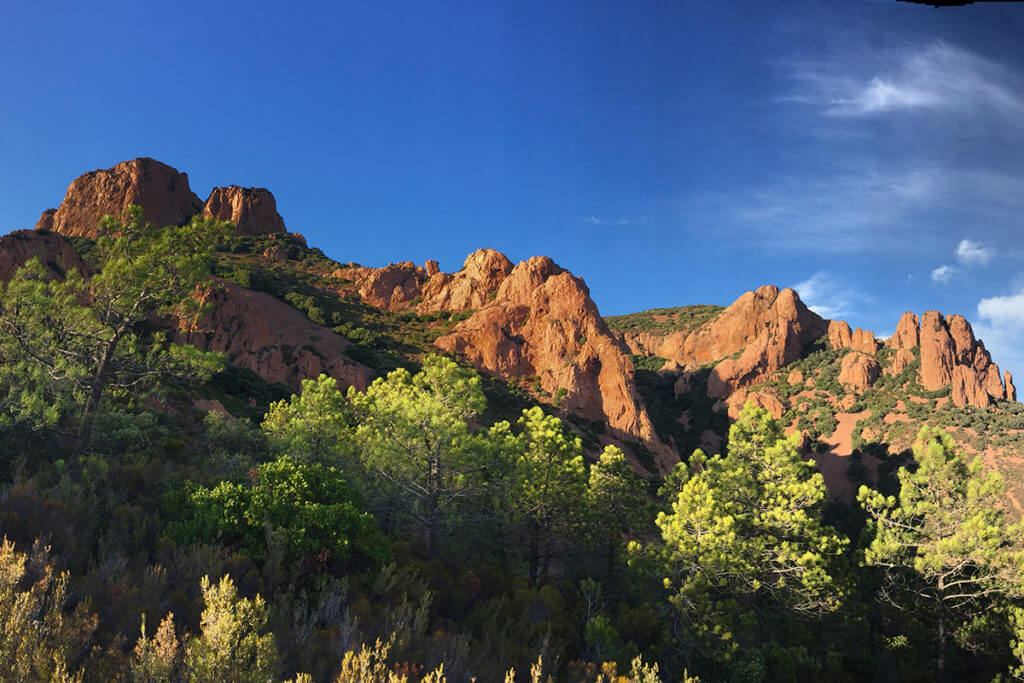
[(252, 209), (161, 191)]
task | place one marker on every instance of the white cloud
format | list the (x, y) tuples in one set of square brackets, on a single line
[(1003, 329), (971, 253), (827, 296), (936, 77), (594, 220), (943, 274), (1004, 311)]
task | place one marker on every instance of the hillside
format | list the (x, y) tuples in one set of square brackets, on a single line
[(476, 468)]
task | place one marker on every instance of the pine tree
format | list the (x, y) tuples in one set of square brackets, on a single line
[(944, 542), (65, 342)]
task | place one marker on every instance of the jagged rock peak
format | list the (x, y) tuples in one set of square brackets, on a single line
[(252, 209), (162, 192)]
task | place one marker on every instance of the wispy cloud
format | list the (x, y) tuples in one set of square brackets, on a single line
[(972, 253), (936, 77), (870, 209), (828, 296), (594, 220), (943, 274)]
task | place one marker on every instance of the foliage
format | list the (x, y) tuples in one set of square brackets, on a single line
[(944, 541), (745, 536), (67, 341), (665, 320), (314, 425), (412, 432), (230, 646), (306, 507)]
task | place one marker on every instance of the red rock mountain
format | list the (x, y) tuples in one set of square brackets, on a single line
[(161, 191), (759, 333), (165, 198), (531, 322)]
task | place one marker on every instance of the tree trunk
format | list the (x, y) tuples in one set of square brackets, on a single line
[(941, 664), (92, 402), (534, 552), (435, 495)]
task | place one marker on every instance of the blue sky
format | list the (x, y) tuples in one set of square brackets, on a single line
[(868, 153)]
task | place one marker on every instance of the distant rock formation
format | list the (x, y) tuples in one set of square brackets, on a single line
[(541, 323), (165, 197), (161, 191), (252, 209)]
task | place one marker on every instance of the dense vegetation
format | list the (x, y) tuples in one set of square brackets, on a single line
[(415, 532)]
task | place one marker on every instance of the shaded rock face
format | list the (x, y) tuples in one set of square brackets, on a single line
[(257, 331), (476, 284), (252, 209), (161, 191), (52, 250), (1011, 390), (542, 323), (859, 371), (967, 390)]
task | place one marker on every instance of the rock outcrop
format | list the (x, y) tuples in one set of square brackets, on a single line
[(53, 251), (936, 352), (864, 341), (252, 209), (543, 326), (1011, 390), (776, 326), (161, 191), (906, 335), (476, 284), (900, 360), (839, 336), (392, 287), (950, 356), (859, 371), (257, 331), (967, 390)]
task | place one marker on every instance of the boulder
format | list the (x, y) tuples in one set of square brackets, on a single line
[(900, 360), (859, 371)]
